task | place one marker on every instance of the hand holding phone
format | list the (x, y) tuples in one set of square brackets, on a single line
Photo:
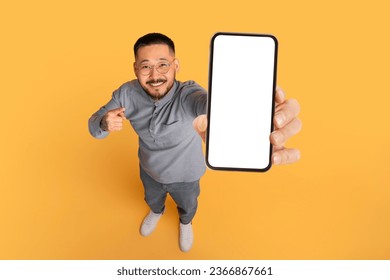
[(242, 81)]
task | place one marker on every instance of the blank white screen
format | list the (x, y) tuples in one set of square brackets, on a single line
[(241, 101)]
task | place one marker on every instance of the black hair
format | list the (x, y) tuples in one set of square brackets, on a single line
[(152, 39)]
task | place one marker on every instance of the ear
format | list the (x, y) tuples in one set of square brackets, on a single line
[(177, 64), (135, 70)]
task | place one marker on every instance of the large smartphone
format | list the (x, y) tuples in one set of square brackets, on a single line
[(241, 92)]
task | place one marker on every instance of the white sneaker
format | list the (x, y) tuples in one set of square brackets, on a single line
[(186, 237), (149, 223)]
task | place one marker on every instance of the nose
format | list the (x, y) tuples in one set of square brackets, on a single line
[(153, 73)]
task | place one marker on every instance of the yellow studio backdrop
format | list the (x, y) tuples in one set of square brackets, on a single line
[(66, 195)]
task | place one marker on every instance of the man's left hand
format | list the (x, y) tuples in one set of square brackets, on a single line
[(286, 125)]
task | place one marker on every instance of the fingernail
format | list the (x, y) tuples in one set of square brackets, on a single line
[(276, 159), (280, 92), (279, 118), (277, 138)]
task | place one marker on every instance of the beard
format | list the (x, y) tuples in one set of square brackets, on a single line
[(157, 93)]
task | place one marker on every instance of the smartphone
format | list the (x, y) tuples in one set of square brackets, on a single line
[(241, 92)]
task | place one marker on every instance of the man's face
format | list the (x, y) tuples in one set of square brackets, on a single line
[(156, 59)]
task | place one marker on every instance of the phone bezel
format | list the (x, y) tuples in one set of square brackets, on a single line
[(209, 165)]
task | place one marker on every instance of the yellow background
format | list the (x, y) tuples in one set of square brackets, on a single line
[(66, 195)]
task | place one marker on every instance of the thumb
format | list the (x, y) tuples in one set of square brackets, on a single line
[(200, 123)]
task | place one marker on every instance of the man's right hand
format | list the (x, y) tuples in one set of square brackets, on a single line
[(113, 120)]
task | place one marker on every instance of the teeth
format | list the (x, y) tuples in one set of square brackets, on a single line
[(156, 84)]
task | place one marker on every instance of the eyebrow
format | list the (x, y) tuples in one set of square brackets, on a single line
[(147, 60)]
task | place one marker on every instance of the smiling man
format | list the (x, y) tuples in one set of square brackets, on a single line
[(153, 68), (168, 116)]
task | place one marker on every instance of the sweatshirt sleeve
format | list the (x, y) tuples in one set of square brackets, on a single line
[(94, 121), (195, 99)]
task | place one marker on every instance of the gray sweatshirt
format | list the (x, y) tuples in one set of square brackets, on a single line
[(170, 150)]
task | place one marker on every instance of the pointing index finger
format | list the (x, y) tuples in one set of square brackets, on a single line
[(117, 111), (122, 115)]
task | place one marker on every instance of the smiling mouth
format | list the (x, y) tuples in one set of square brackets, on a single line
[(155, 83)]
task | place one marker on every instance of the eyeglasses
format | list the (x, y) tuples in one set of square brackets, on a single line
[(161, 67)]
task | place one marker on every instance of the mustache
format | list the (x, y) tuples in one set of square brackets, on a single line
[(156, 81)]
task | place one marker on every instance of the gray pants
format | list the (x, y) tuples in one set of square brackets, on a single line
[(184, 194)]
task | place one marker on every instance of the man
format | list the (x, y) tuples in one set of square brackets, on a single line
[(168, 117)]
